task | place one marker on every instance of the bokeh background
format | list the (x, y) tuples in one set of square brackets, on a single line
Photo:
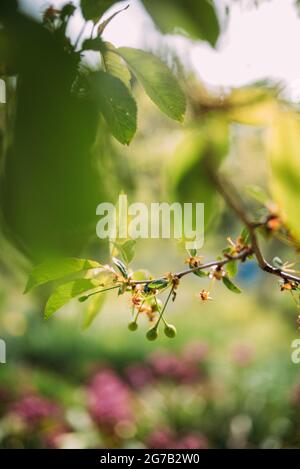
[(227, 380)]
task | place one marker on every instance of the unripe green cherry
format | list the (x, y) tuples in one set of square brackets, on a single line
[(170, 331), (83, 298), (132, 326), (152, 334)]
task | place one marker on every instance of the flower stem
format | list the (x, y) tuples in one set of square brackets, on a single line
[(101, 291), (163, 309)]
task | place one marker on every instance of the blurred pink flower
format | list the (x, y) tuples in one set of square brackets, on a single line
[(139, 375), (165, 438), (109, 399), (192, 442), (167, 365), (162, 438), (32, 409)]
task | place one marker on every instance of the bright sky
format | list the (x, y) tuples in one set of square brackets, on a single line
[(258, 43)]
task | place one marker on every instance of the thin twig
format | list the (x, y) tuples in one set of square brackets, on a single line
[(161, 314), (100, 291), (220, 263), (79, 36), (227, 192), (241, 256)]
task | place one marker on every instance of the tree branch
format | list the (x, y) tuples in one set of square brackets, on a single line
[(220, 263), (227, 192)]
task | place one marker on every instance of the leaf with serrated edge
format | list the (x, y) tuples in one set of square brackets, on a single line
[(114, 64), (93, 309), (64, 293), (55, 269), (116, 104), (157, 80)]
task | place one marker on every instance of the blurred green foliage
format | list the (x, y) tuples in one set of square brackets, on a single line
[(196, 18), (50, 184)]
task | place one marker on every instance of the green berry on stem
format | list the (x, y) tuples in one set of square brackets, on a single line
[(132, 326), (170, 331), (83, 298), (152, 334)]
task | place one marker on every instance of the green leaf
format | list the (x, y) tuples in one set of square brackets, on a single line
[(105, 276), (95, 44), (116, 104), (121, 266), (245, 235), (141, 275), (231, 286), (197, 18), (126, 250), (192, 252), (114, 64), (157, 80), (158, 284), (64, 293), (67, 11), (200, 273), (94, 9), (232, 268), (284, 144), (55, 269), (94, 306)]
